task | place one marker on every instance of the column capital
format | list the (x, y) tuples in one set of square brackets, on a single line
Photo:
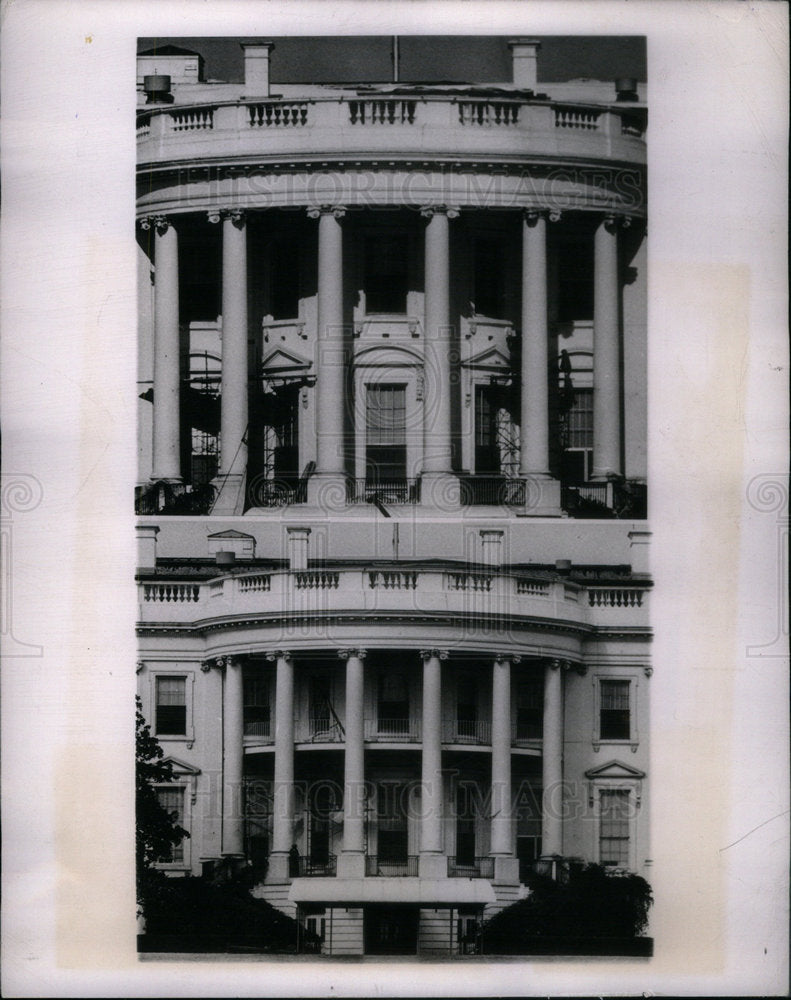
[(427, 654), (337, 211), (279, 654), (614, 221), (532, 215), (140, 666), (158, 222), (345, 654), (236, 215), (221, 662), (451, 211), (557, 664), (578, 668), (511, 657)]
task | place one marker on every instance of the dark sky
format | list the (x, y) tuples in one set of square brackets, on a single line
[(425, 58)]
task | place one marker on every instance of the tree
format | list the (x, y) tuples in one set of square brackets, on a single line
[(157, 833)]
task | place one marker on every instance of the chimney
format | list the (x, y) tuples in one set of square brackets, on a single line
[(147, 547), (298, 539), (524, 54), (626, 89), (491, 547), (256, 68)]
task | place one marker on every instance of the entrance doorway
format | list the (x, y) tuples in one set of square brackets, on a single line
[(391, 929)]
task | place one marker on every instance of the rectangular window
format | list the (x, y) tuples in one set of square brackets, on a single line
[(386, 279), (577, 438), (489, 278), (465, 826), (614, 827), (614, 713), (385, 433), (393, 704), (530, 708), (257, 711), (391, 815), (467, 706), (321, 721), (171, 706), (172, 801)]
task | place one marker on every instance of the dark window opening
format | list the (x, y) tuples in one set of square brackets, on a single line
[(393, 704), (392, 833), (487, 446), (257, 711), (284, 275), (386, 279), (575, 281), (614, 828), (615, 719), (465, 827), (488, 292), (171, 707), (172, 801), (530, 709)]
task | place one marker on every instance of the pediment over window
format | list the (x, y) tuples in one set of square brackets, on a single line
[(230, 534), (492, 359), (615, 769), (279, 360), (180, 769)]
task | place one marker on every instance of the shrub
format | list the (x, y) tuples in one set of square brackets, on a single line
[(226, 914), (590, 903)]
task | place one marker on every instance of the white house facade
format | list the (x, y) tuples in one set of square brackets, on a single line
[(393, 555)]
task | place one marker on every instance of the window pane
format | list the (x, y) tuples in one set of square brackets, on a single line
[(614, 827), (488, 278), (171, 709), (580, 420), (615, 718)]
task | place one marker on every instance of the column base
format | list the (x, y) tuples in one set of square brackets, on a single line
[(506, 870), (327, 490), (542, 497), (278, 868), (433, 866), (440, 491), (351, 864), (229, 499)]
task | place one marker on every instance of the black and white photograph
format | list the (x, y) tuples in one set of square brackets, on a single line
[(393, 367), (423, 545)]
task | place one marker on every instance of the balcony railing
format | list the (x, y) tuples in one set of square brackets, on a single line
[(262, 730), (468, 731), (175, 498), (488, 113), (307, 866), (276, 492), (376, 866), (382, 112), (400, 491), (392, 730), (476, 868), (527, 732), (320, 730), (611, 499), (495, 491), (276, 114)]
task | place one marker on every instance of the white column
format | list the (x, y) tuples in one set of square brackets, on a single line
[(502, 839), (534, 456), (233, 758), (606, 353), (542, 494), (437, 428), (352, 861), (167, 431), (283, 798), (233, 400), (552, 762), (432, 861), (327, 487)]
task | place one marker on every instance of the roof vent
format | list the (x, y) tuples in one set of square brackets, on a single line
[(626, 89), (157, 89), (225, 559)]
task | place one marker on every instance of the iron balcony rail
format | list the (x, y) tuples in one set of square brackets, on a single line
[(392, 730), (276, 492), (527, 732), (468, 731), (399, 491), (316, 866), (378, 867), (477, 868), (175, 498), (261, 729), (494, 491)]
